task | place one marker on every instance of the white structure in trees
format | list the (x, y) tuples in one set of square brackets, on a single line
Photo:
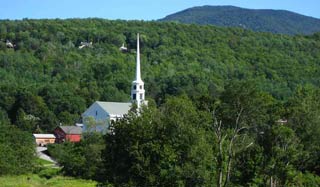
[(9, 44), (137, 89), (123, 48), (85, 44), (104, 112)]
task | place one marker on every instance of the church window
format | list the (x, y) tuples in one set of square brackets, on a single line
[(96, 112), (141, 96), (134, 87), (141, 87), (134, 97)]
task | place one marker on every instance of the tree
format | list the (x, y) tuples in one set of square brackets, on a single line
[(93, 125), (282, 150), (229, 142), (81, 159), (303, 117), (240, 115), (17, 150), (159, 147)]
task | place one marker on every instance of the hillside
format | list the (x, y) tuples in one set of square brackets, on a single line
[(219, 94), (274, 21), (48, 76)]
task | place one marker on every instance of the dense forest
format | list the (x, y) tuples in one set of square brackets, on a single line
[(262, 20), (216, 97)]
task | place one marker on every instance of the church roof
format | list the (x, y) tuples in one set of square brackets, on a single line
[(115, 108)]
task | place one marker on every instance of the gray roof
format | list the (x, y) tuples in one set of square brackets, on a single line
[(115, 108), (71, 129)]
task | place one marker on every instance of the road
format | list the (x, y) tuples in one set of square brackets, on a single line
[(43, 156)]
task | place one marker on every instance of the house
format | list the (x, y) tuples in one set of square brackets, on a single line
[(44, 139), (85, 44), (100, 114), (9, 44), (68, 133), (123, 48), (282, 121)]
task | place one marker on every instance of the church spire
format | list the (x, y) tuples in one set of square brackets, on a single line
[(138, 73), (137, 90)]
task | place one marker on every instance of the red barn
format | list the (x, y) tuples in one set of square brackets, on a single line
[(68, 133)]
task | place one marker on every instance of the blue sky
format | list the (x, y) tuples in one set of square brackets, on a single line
[(136, 9)]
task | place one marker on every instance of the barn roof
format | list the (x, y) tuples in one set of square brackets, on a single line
[(44, 136), (115, 108), (71, 129)]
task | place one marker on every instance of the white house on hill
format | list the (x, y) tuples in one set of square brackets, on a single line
[(105, 112)]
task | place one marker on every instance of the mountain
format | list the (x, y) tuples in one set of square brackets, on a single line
[(274, 21)]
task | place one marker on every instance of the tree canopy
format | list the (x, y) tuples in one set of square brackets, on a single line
[(46, 79), (216, 98)]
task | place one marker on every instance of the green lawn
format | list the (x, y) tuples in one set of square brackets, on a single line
[(35, 181), (43, 162)]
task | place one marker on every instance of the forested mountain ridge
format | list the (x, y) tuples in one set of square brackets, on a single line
[(47, 70), (264, 20), (219, 94)]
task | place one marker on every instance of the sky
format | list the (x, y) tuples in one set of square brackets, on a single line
[(137, 9)]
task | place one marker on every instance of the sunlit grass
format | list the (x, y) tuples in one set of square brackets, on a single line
[(36, 181), (43, 162)]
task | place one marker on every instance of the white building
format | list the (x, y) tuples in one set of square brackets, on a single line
[(104, 112), (137, 89)]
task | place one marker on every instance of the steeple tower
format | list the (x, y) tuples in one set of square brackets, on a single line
[(137, 90)]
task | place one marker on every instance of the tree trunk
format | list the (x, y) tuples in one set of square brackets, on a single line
[(228, 172), (273, 182), (220, 163)]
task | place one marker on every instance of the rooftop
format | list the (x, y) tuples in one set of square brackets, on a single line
[(115, 108), (71, 129), (44, 136)]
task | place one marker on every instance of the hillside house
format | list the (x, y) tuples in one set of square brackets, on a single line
[(68, 133), (44, 139)]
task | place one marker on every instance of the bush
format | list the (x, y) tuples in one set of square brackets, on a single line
[(17, 151), (48, 173)]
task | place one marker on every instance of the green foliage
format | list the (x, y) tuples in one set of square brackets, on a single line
[(243, 100), (17, 150), (48, 173), (275, 21), (43, 162), (160, 147), (80, 159), (36, 181), (47, 79), (304, 179), (303, 114), (259, 77)]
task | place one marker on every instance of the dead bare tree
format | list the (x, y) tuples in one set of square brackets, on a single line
[(222, 136)]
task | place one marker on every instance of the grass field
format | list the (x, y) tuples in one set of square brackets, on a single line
[(35, 181), (43, 162)]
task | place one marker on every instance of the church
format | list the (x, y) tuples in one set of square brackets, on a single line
[(101, 113)]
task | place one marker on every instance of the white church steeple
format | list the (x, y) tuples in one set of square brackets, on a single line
[(137, 90)]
